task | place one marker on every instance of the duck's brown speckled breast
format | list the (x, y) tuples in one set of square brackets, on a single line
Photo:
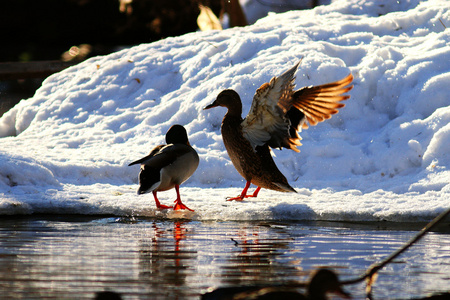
[(255, 166), (239, 149)]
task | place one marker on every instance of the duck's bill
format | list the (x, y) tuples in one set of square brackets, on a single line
[(214, 104)]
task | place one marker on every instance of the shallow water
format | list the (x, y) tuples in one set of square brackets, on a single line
[(72, 257)]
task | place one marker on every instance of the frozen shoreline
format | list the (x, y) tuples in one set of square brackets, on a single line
[(385, 156)]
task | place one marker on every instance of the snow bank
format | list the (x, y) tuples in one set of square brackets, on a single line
[(385, 156)]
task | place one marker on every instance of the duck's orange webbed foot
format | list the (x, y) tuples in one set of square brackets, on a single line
[(158, 204), (238, 198), (179, 205), (244, 193), (162, 206)]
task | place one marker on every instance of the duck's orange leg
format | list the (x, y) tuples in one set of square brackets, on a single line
[(178, 204), (255, 193), (159, 205), (244, 193)]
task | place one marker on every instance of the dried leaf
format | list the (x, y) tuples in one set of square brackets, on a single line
[(207, 20)]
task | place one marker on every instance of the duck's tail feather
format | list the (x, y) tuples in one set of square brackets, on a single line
[(285, 187), (149, 180)]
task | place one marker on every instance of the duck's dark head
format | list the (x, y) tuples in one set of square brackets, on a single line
[(229, 99), (325, 281), (177, 135)]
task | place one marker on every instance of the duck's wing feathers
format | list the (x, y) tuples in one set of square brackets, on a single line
[(151, 165), (278, 113), (319, 103), (146, 158), (266, 121), (166, 156)]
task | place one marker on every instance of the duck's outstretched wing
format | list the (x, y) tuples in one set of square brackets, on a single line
[(314, 104), (278, 113), (266, 119), (319, 103)]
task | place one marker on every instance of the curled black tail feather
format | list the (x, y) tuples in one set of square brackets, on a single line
[(148, 177)]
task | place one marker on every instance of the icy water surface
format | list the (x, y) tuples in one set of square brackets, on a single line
[(72, 257)]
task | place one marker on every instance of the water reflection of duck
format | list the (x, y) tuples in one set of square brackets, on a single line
[(276, 115), (168, 166), (322, 282)]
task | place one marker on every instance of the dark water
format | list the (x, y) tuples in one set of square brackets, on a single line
[(72, 257)]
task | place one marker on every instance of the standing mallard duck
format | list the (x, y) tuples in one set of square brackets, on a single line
[(168, 166), (276, 115)]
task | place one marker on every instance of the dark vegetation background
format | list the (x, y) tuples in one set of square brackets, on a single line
[(48, 30), (44, 29)]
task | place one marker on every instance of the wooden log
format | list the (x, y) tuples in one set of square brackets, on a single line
[(32, 69)]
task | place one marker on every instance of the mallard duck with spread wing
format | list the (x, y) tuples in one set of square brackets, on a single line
[(276, 115), (168, 166)]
